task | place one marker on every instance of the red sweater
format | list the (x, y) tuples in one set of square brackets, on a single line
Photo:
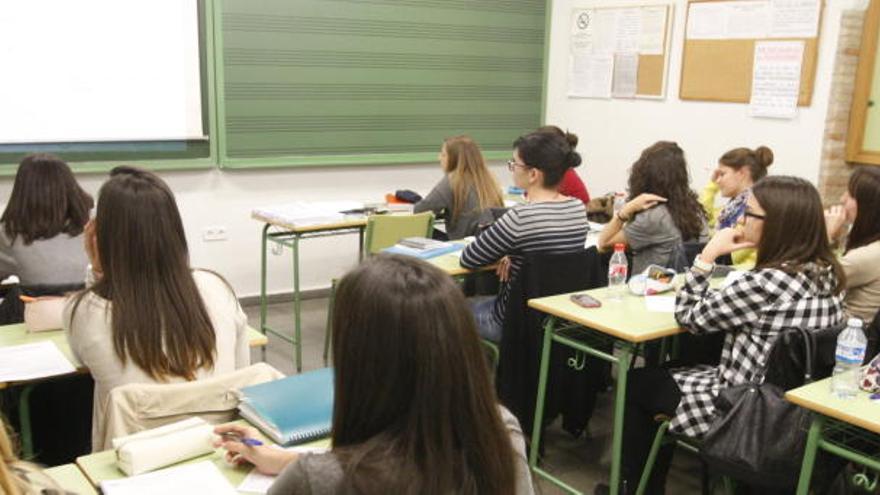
[(573, 186)]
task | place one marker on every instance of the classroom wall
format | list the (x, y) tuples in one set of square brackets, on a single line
[(613, 132)]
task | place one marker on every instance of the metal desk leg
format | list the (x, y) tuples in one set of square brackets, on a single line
[(297, 341), (263, 299), (542, 391), (361, 244), (810, 454), (623, 362), (24, 422)]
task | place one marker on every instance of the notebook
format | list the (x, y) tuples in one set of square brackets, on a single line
[(438, 249), (292, 410)]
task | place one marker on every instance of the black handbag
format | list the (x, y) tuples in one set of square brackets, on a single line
[(758, 437)]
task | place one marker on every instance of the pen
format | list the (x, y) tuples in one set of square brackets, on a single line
[(238, 437)]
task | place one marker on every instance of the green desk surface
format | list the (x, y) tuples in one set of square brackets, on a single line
[(860, 411), (70, 478), (627, 319), (101, 466), (17, 335)]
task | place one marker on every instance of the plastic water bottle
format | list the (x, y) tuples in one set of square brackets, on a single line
[(617, 273), (850, 353)]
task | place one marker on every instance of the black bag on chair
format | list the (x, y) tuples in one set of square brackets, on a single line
[(758, 436)]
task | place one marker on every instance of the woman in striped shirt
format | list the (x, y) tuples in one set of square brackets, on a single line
[(550, 222)]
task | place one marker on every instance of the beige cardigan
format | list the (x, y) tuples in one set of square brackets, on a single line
[(862, 268), (91, 340)]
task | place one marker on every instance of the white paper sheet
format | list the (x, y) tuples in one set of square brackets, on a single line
[(627, 30), (201, 477), (31, 361), (256, 482), (304, 213), (795, 18), (626, 71), (776, 79), (660, 304), (591, 76), (653, 36), (729, 20)]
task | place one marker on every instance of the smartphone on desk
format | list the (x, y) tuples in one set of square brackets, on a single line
[(586, 301)]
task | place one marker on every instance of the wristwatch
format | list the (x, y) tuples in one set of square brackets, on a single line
[(702, 266)]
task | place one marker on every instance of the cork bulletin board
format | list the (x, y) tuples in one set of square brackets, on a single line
[(720, 69)]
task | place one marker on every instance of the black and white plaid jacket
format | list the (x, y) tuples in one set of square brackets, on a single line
[(752, 311)]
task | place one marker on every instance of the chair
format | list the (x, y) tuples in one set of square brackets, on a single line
[(873, 335), (786, 367), (142, 406), (383, 231)]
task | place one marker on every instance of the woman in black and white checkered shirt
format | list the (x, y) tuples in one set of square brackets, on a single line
[(797, 282)]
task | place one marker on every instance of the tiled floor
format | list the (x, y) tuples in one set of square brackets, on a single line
[(581, 462)]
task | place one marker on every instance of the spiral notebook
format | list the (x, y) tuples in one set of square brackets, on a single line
[(292, 410)]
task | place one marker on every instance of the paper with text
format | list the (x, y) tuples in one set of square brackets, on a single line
[(626, 72), (32, 361), (591, 76), (795, 18), (776, 79), (201, 477), (653, 36)]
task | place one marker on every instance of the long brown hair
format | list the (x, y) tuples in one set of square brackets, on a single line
[(158, 317), (864, 188), (468, 172), (662, 170), (414, 408), (13, 470), (794, 232), (755, 160), (46, 201)]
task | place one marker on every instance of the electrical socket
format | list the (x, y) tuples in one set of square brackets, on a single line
[(216, 233)]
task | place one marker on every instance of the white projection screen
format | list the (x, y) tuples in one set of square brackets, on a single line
[(99, 70)]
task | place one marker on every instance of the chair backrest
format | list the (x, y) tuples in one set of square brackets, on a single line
[(383, 231), (141, 406), (873, 335), (786, 365), (683, 255)]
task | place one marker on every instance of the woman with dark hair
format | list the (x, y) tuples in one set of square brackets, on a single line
[(549, 222), (662, 211), (41, 234), (571, 184), (861, 258), (146, 316), (405, 418), (466, 190), (737, 171), (797, 282)]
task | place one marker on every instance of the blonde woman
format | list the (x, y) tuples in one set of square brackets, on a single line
[(21, 478), (466, 190)]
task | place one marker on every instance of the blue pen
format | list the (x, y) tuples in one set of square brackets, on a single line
[(238, 437)]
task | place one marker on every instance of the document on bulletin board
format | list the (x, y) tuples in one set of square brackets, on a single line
[(753, 19), (591, 76), (776, 79)]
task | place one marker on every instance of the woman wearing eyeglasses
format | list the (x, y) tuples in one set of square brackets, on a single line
[(550, 222), (796, 283)]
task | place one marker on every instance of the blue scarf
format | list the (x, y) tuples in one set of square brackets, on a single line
[(733, 210)]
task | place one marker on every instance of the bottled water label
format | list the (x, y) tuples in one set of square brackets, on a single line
[(617, 270), (850, 354)]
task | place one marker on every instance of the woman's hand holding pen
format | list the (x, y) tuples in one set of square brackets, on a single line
[(240, 447)]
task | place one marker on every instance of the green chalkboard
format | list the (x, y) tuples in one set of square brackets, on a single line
[(341, 82), (99, 157)]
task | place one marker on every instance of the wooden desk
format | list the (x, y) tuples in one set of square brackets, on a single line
[(834, 422), (101, 466), (628, 323), (70, 478)]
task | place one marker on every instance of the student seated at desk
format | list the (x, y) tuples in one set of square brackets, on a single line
[(662, 212), (148, 316), (414, 409), (797, 282), (737, 171), (18, 477), (466, 190), (861, 257), (549, 222), (571, 184), (41, 232)]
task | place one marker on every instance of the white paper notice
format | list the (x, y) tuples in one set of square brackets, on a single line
[(795, 18), (591, 76), (31, 361), (202, 477), (776, 79), (653, 35), (729, 20), (628, 31), (593, 32), (626, 71), (660, 304)]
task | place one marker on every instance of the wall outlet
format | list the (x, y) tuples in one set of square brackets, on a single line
[(217, 233)]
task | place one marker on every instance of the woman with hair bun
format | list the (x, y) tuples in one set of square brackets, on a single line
[(737, 172), (571, 184)]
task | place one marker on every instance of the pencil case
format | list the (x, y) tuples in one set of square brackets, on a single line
[(153, 449)]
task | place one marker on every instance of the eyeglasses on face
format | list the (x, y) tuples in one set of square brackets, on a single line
[(511, 165)]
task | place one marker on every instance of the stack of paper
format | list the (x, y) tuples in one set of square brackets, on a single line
[(32, 361), (307, 213)]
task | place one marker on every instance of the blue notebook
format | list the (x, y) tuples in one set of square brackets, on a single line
[(424, 253), (292, 410)]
